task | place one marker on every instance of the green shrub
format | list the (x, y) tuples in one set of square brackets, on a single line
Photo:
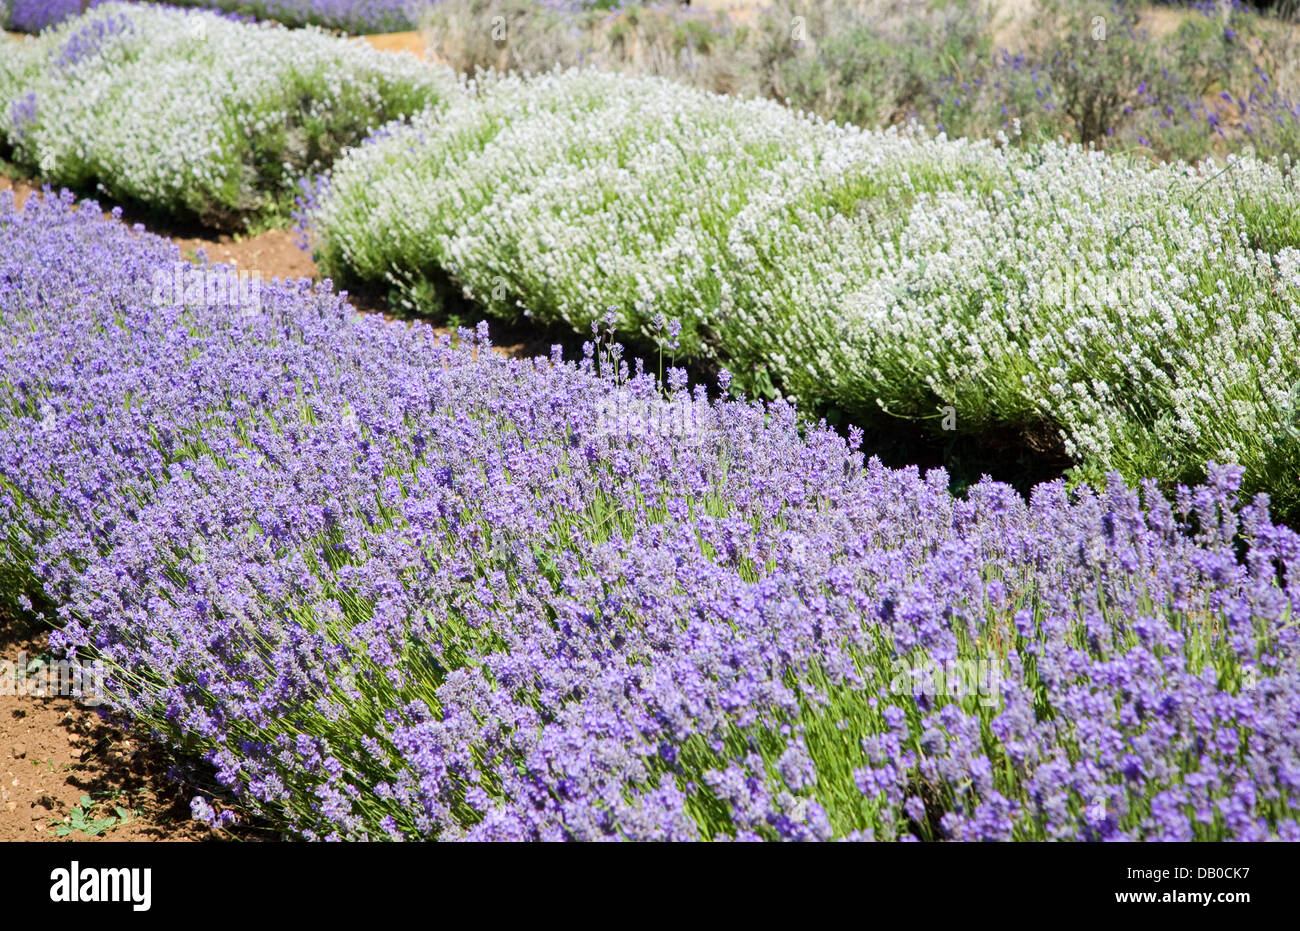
[(1145, 315), (1094, 72), (195, 115)]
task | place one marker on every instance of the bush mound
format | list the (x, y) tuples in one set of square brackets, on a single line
[(194, 114), (1146, 315)]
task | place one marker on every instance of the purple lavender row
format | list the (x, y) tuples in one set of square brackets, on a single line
[(356, 16), (391, 587), (35, 15)]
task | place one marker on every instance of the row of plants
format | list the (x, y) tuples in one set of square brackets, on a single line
[(354, 16), (35, 15), (1223, 79), (196, 115), (1134, 318), (392, 587), (1145, 317)]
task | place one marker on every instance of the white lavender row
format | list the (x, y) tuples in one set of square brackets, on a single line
[(1146, 315), (192, 113)]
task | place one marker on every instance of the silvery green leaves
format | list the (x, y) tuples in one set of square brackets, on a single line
[(193, 114), (1291, 414)]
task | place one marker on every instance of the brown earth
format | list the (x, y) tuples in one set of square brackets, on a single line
[(740, 11), (21, 187), (411, 42), (274, 253), (54, 751)]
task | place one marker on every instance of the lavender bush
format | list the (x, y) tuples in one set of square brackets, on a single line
[(353, 16), (392, 587), (193, 114), (35, 15), (1142, 316), (1217, 80)]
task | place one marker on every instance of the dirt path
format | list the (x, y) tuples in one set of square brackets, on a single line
[(412, 42)]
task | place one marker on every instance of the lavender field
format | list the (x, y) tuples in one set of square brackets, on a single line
[(353, 16), (362, 576)]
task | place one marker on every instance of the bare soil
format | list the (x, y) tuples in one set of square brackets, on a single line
[(54, 751), (412, 42)]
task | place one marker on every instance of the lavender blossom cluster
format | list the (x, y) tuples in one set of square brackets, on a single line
[(353, 16), (195, 113), (389, 585), (35, 15)]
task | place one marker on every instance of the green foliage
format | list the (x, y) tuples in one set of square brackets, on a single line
[(82, 819), (1110, 313), (1096, 72), (196, 116)]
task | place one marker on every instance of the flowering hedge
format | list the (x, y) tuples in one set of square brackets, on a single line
[(193, 113), (1147, 315), (395, 588), (35, 15), (355, 16)]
